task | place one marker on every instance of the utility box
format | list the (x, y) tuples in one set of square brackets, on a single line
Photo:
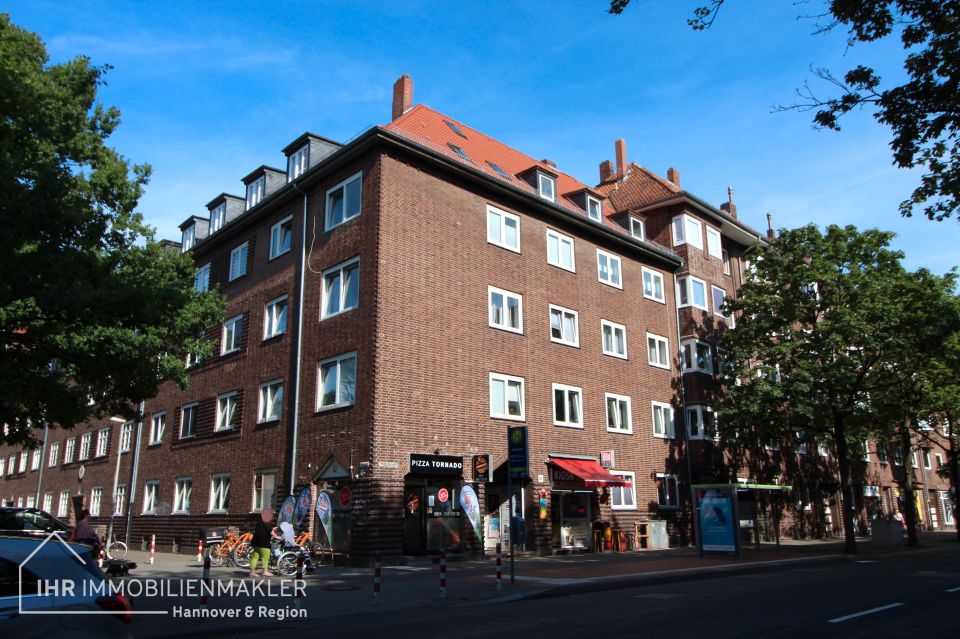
[(886, 535), (659, 539)]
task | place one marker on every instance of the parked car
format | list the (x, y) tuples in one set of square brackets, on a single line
[(30, 522), (34, 601)]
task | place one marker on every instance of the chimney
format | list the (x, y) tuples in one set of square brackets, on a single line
[(621, 149), (770, 232), (606, 171), (549, 163), (729, 207), (402, 95), (674, 176)]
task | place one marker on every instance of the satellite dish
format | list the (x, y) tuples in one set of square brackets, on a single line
[(81, 471)]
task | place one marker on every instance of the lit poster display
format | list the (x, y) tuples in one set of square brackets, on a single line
[(717, 518)]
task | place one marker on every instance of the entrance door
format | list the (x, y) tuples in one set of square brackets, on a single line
[(413, 524), (496, 523)]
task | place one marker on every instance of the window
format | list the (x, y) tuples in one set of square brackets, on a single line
[(188, 421), (691, 292), (157, 425), (226, 412), (275, 317), (264, 490), (506, 397), (52, 459), (882, 455), (865, 450), (3, 465), (23, 461), (281, 237), (506, 310), (686, 230), (701, 422), (937, 455), (460, 153), (499, 170), (652, 285), (63, 504), (668, 495), (637, 228), (218, 217), (189, 238), (594, 209), (341, 288), (255, 191), (547, 187), (220, 493), (181, 496), (338, 381), (271, 400), (126, 434), (238, 261), (232, 335), (48, 502), (696, 357), (567, 403), (560, 251), (718, 297), (12, 465), (151, 489), (455, 128), (298, 162), (201, 279), (713, 243), (823, 448), (564, 326), (85, 445), (503, 229), (926, 460), (608, 269), (897, 455), (618, 414), (119, 499), (96, 496), (103, 442), (726, 262), (946, 507), (662, 420), (343, 201), (624, 497), (67, 451), (614, 339), (37, 458), (658, 351), (800, 442), (913, 459)]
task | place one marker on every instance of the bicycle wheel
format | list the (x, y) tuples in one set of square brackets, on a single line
[(217, 554), (287, 564), (116, 550), (241, 555)]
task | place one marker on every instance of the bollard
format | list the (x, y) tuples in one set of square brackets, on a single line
[(199, 550), (499, 569), (376, 575), (298, 591), (206, 581), (443, 573), (103, 552), (153, 548)]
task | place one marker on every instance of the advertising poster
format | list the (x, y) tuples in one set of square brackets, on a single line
[(324, 514), (302, 507), (718, 523), (287, 509), (470, 505)]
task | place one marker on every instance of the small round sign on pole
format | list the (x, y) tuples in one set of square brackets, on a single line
[(443, 495), (345, 496)]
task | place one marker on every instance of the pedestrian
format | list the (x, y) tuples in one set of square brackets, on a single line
[(262, 535), (84, 533)]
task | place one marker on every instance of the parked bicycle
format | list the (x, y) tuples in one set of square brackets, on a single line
[(243, 551), (223, 553), (116, 549)]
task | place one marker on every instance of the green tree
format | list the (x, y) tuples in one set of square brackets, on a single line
[(923, 112), (91, 306)]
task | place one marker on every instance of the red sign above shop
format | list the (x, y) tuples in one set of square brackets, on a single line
[(443, 495)]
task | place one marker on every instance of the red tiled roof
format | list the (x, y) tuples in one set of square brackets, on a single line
[(641, 187)]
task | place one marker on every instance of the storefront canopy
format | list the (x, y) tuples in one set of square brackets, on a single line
[(593, 474)]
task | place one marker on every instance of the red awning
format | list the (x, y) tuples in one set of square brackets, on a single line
[(592, 473)]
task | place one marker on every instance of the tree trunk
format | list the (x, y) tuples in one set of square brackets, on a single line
[(906, 486), (839, 436), (954, 473)]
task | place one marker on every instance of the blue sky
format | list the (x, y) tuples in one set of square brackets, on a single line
[(209, 91)]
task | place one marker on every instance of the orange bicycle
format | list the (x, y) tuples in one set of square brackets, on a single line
[(223, 553)]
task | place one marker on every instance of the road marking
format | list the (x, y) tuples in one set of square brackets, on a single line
[(865, 612), (658, 595), (867, 561), (953, 589)]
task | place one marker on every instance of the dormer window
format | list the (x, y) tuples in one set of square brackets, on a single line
[(298, 162), (217, 217), (547, 187), (189, 238), (255, 191), (636, 228), (594, 209)]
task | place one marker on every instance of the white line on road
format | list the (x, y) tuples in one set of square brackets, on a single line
[(865, 612), (953, 589)]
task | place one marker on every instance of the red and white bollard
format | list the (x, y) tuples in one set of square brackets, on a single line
[(443, 573), (199, 550), (153, 548), (376, 575), (103, 552), (298, 591), (206, 581), (499, 569)]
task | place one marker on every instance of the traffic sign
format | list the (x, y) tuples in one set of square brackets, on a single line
[(517, 453)]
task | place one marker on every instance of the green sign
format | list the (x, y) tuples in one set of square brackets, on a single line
[(517, 453)]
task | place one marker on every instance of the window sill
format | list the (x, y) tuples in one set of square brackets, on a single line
[(623, 507), (663, 436), (619, 287), (230, 352), (623, 357), (661, 366), (271, 420), (507, 329), (270, 338), (654, 299), (504, 246), (152, 444), (619, 431), (511, 418), (324, 409), (217, 512), (228, 429), (562, 343), (183, 437), (180, 512), (568, 425), (338, 313)]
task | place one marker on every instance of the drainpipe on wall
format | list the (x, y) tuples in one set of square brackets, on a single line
[(133, 475), (43, 460), (683, 421), (295, 422), (116, 482)]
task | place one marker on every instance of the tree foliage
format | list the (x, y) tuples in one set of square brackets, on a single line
[(91, 305), (922, 112)]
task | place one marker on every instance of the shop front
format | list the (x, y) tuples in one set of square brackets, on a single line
[(432, 519), (573, 504)]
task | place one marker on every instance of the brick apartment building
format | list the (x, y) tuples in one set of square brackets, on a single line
[(394, 305)]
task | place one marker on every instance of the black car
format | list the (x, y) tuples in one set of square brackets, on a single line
[(30, 522)]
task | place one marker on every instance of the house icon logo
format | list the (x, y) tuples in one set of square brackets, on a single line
[(52, 587)]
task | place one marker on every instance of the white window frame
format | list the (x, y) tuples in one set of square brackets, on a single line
[(632, 478), (726, 261), (567, 391), (36, 459), (23, 461), (714, 244), (235, 341), (501, 240), (96, 500), (12, 465), (507, 380), (654, 277), (690, 350), (618, 426), (151, 492), (238, 261), (85, 441), (667, 478), (339, 271), (47, 502), (298, 162), (653, 354), (126, 436), (599, 208), (271, 317), (331, 191), (575, 342), (669, 428), (685, 285), (699, 410), (3, 466), (718, 310), (561, 240), (219, 498), (543, 178), (188, 238), (201, 279), (611, 259), (63, 504), (338, 360), (193, 408), (258, 494), (218, 217), (946, 506), (614, 327), (277, 233), (256, 192), (691, 227), (925, 458), (637, 223), (182, 491), (119, 499), (158, 424), (54, 454), (224, 401), (103, 442), (69, 448), (491, 313), (268, 398)]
